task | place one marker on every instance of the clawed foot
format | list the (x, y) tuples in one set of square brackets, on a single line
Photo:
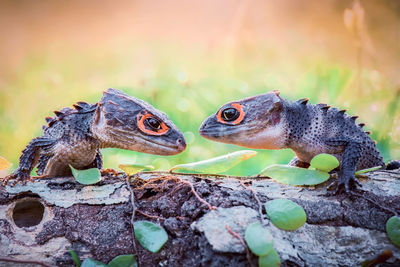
[(347, 182), (17, 177)]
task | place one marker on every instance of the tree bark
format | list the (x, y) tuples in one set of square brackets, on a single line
[(41, 221)]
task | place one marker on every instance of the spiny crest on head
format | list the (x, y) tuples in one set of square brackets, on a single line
[(50, 121), (64, 111), (343, 111), (79, 107), (59, 115), (361, 124)]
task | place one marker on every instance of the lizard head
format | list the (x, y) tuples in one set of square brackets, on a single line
[(253, 122), (125, 122)]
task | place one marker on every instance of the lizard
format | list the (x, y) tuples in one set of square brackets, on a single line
[(75, 136), (268, 121)]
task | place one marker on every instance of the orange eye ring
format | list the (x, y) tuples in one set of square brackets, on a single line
[(239, 108), (140, 122)]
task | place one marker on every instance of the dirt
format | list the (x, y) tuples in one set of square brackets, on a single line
[(104, 231)]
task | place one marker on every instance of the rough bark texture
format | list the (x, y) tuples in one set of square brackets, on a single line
[(95, 220)]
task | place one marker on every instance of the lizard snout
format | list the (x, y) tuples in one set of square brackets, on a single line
[(181, 144)]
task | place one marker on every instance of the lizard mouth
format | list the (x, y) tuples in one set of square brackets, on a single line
[(151, 146), (218, 131), (172, 145)]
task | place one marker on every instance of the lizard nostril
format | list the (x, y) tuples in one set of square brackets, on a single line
[(202, 127), (181, 143)]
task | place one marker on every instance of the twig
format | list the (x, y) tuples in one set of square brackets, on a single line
[(150, 216), (173, 191), (197, 195), (134, 209), (236, 235), (263, 221), (184, 173), (24, 261), (381, 258), (375, 203), (151, 183), (201, 175)]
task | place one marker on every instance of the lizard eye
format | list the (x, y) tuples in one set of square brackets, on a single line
[(230, 114), (151, 125)]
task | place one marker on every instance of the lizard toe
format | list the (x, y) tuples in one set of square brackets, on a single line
[(347, 188), (346, 183), (349, 182), (356, 182), (334, 188), (18, 177), (7, 178)]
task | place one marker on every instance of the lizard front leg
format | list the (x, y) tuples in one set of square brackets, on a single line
[(98, 163), (351, 155), (28, 160)]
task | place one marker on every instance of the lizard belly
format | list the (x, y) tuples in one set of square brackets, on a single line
[(306, 151), (79, 156)]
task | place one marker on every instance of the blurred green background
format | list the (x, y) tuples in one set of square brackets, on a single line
[(188, 58)]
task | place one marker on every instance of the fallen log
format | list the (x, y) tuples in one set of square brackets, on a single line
[(41, 221)]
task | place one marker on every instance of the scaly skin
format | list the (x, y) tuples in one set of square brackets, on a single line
[(270, 122), (75, 136)]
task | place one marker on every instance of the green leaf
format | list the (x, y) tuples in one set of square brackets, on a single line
[(295, 176), (367, 170), (150, 235), (285, 214), (75, 257), (89, 176), (270, 260), (324, 162), (131, 169), (123, 261), (258, 239), (92, 263), (393, 230), (218, 164)]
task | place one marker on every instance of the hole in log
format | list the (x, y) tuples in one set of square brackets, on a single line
[(27, 213)]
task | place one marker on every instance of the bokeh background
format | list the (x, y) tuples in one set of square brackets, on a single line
[(189, 57)]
